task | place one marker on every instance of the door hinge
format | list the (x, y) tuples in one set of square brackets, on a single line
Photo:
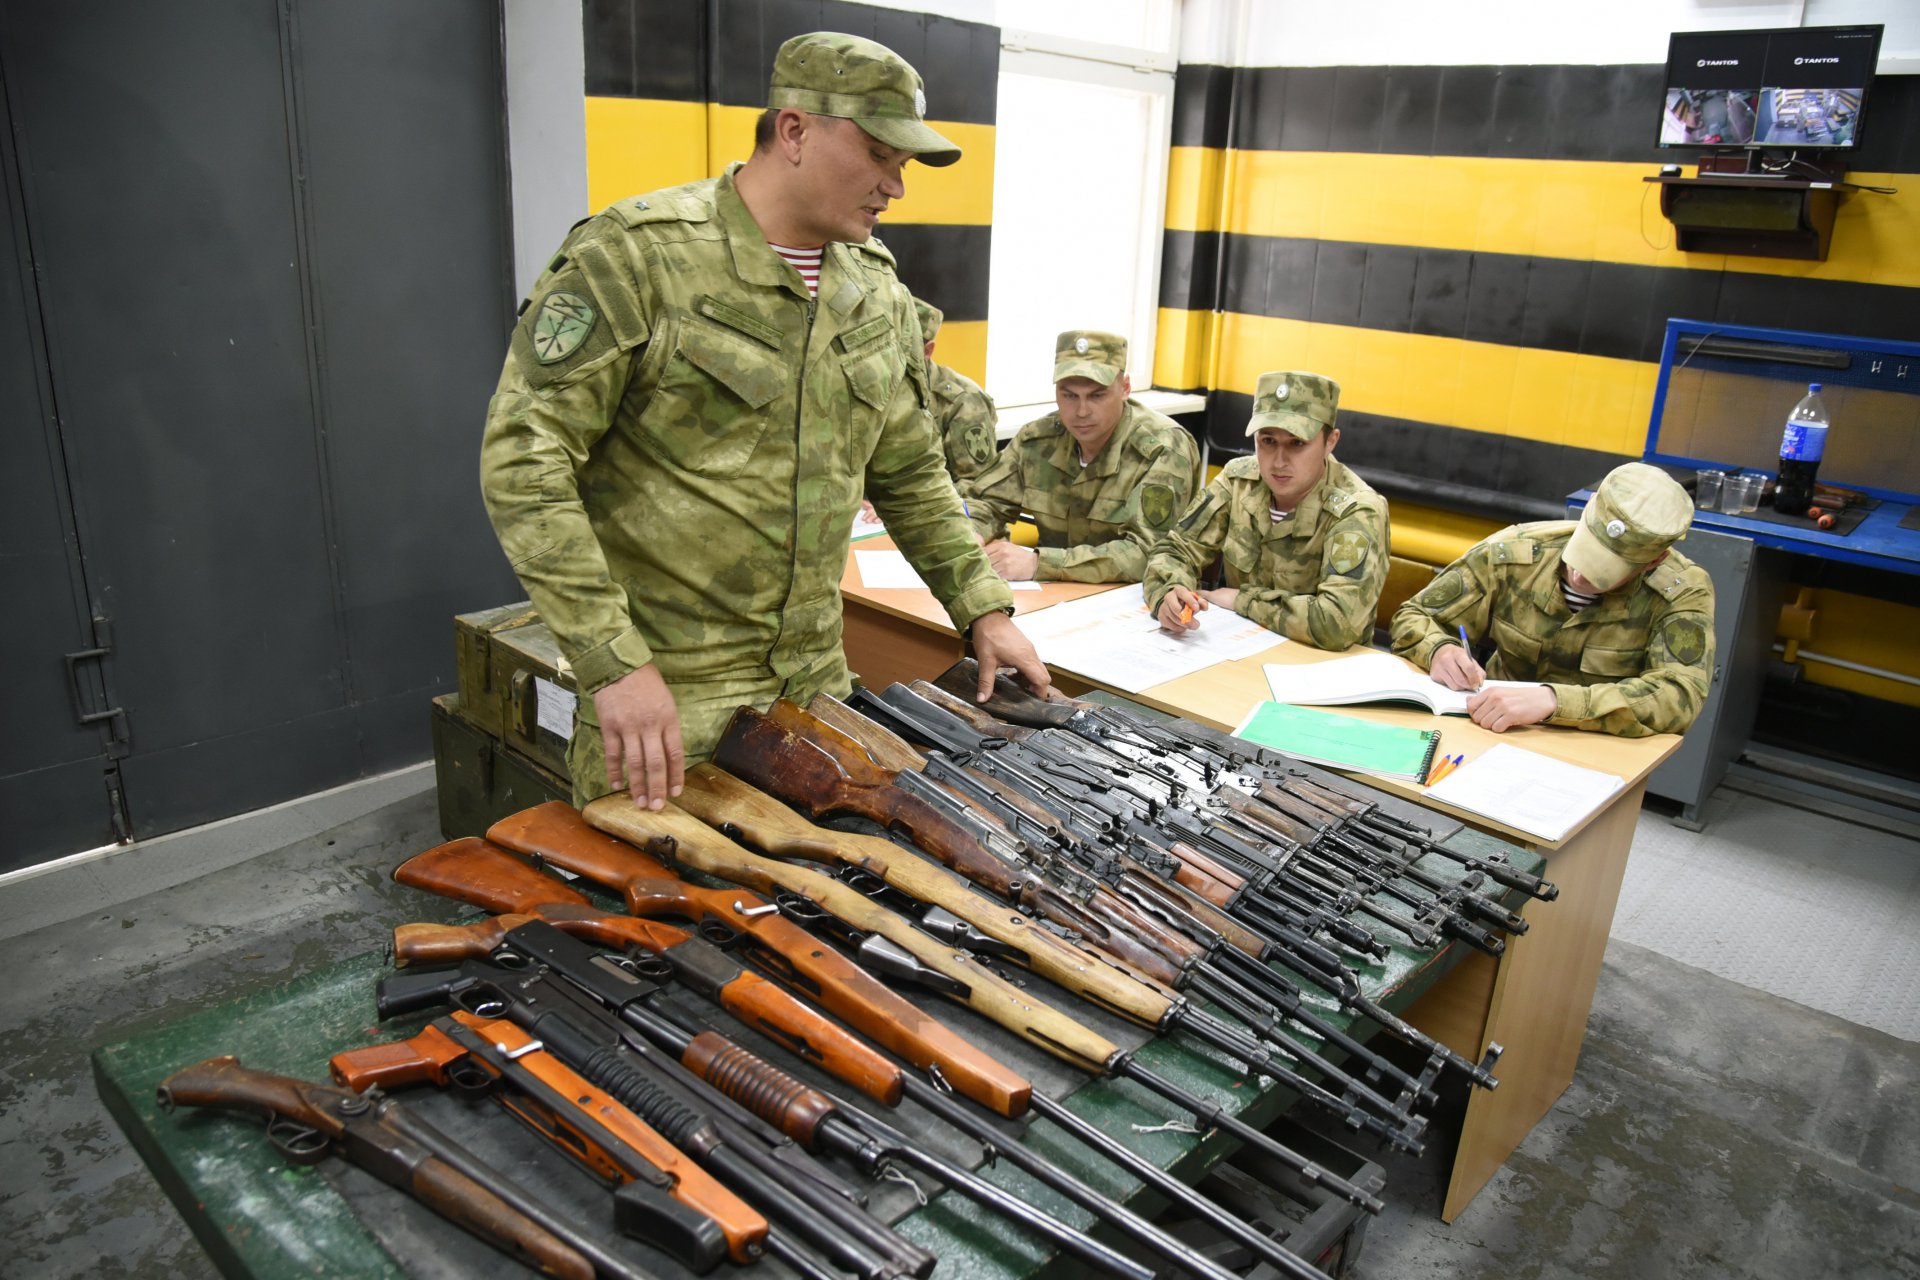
[(112, 718), (117, 806)]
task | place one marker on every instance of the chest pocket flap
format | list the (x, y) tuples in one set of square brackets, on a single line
[(871, 362), (737, 363)]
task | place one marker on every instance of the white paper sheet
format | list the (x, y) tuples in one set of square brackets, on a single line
[(881, 569), (865, 526), (1526, 790), (1111, 638), (553, 707), (1368, 677)]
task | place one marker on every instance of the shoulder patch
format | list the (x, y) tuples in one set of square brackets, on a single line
[(1156, 505), (560, 326), (1685, 638), (1442, 591), (1347, 553), (979, 442)]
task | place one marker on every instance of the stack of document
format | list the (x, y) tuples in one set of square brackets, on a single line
[(1110, 638), (1526, 791)]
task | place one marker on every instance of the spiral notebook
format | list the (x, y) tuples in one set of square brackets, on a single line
[(1342, 742)]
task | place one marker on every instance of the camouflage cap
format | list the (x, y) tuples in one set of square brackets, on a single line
[(831, 74), (930, 317), (1299, 404), (1635, 515), (1088, 353)]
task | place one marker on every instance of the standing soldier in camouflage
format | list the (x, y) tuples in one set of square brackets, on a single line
[(1102, 477), (1615, 625), (963, 414), (1302, 538), (704, 382)]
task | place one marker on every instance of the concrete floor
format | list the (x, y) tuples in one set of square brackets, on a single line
[(1714, 1130)]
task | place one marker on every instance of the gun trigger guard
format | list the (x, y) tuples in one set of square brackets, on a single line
[(300, 1144), (718, 933), (468, 1078)]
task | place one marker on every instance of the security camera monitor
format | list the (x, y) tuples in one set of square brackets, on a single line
[(1792, 87)]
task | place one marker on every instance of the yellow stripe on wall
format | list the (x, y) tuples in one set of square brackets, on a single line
[(1193, 188), (960, 193), (642, 144), (1552, 397), (962, 346), (1183, 349), (1580, 210)]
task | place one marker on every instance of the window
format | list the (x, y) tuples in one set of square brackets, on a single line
[(1080, 172)]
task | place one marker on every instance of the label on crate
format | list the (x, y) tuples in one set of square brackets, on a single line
[(555, 707)]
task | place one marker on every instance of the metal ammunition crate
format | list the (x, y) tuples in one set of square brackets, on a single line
[(535, 694), (473, 635), (478, 780)]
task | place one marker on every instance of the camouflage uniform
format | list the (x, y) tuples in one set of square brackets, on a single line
[(1635, 662), (964, 416), (677, 445), (1314, 577)]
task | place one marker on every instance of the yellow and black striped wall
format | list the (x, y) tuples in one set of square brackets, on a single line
[(674, 87), (1471, 252)]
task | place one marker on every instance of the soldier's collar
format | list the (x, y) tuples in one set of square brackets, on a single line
[(1305, 516), (753, 260)]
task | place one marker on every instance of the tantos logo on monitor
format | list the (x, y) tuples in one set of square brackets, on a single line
[(1791, 87)]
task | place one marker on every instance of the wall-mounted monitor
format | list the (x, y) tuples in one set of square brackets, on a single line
[(1791, 88)]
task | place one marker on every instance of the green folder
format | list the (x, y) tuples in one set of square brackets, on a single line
[(1342, 742)]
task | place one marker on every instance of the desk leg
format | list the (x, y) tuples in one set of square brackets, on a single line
[(1534, 1000), (883, 649)]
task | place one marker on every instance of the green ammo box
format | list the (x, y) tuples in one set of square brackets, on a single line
[(473, 659), (536, 695), (479, 780)]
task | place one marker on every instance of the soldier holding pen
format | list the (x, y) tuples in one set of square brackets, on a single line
[(687, 419)]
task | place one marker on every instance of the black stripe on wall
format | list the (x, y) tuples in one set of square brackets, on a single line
[(1558, 304), (646, 49), (959, 61), (943, 264), (1528, 112), (1498, 468)]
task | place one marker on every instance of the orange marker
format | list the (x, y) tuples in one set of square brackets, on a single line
[(1186, 616)]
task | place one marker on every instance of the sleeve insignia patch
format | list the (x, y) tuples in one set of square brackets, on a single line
[(1686, 640), (979, 442), (561, 325), (1347, 553), (1442, 592), (1156, 505)]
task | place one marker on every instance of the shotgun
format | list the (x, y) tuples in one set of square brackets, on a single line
[(307, 1122)]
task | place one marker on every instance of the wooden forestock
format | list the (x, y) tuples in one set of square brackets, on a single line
[(807, 771), (473, 870), (554, 830), (722, 800), (888, 749), (985, 992)]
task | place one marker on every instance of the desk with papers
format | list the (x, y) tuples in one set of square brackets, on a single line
[(1534, 1000)]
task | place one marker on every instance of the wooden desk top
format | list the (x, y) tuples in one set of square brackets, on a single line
[(917, 604), (1221, 696)]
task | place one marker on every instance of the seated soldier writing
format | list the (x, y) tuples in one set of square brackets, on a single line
[(1615, 625), (1303, 540), (1102, 477)]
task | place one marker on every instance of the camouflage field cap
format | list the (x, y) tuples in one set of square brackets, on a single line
[(1637, 512), (1299, 404), (831, 74), (1088, 353), (930, 318)]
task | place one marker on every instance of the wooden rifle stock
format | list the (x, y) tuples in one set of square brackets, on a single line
[(1009, 701), (888, 749), (722, 800), (818, 772), (976, 717), (976, 986), (364, 1138), (476, 871), (557, 832)]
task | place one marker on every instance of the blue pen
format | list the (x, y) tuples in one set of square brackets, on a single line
[(1464, 642)]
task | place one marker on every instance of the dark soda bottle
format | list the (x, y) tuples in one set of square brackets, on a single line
[(1801, 445)]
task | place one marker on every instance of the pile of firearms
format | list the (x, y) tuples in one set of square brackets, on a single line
[(1179, 878)]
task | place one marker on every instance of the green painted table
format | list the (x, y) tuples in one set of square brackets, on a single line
[(258, 1217)]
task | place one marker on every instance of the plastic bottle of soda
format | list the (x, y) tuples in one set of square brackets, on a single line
[(1801, 445)]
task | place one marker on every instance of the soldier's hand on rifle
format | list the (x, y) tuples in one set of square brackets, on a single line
[(998, 643), (1504, 709), (1013, 562), (1178, 607), (640, 731), (1455, 668)]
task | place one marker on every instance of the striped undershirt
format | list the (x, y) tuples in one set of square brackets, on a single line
[(1275, 515), (805, 261), (1576, 600)]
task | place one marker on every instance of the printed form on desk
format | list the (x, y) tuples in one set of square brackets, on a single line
[(1112, 638), (883, 570), (1526, 790)]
